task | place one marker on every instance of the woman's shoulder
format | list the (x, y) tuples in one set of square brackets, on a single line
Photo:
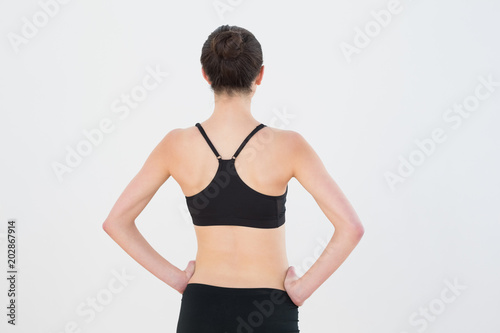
[(176, 140), (178, 135), (181, 138), (287, 137)]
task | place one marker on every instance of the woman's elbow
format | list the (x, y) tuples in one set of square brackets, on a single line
[(106, 226), (355, 226), (356, 230), (109, 226), (359, 230)]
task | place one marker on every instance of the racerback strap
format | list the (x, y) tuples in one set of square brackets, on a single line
[(208, 140), (246, 139), (202, 131)]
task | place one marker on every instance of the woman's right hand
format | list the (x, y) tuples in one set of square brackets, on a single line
[(185, 277)]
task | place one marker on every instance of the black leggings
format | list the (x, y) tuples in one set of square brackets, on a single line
[(212, 309)]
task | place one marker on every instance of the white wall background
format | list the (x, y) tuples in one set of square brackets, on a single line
[(434, 228)]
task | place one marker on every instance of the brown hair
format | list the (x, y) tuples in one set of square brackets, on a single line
[(231, 57)]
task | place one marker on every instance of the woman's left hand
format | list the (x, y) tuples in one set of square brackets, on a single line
[(293, 287)]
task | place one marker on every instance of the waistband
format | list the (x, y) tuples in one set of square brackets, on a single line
[(207, 288)]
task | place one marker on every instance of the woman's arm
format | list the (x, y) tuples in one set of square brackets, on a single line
[(309, 170), (120, 223)]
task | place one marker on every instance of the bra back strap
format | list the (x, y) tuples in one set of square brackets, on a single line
[(247, 138), (208, 140)]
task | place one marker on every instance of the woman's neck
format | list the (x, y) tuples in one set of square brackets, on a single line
[(235, 109)]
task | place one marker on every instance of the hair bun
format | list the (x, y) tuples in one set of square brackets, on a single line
[(228, 44)]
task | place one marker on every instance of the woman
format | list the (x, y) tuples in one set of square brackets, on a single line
[(234, 173)]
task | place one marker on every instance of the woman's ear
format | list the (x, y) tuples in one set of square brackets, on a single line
[(259, 77), (205, 76)]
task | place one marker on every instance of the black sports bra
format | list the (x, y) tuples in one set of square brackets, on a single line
[(227, 200)]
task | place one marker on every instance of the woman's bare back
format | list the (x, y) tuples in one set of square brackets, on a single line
[(228, 255)]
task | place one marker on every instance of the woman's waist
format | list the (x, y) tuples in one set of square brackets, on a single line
[(242, 258), (245, 274)]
